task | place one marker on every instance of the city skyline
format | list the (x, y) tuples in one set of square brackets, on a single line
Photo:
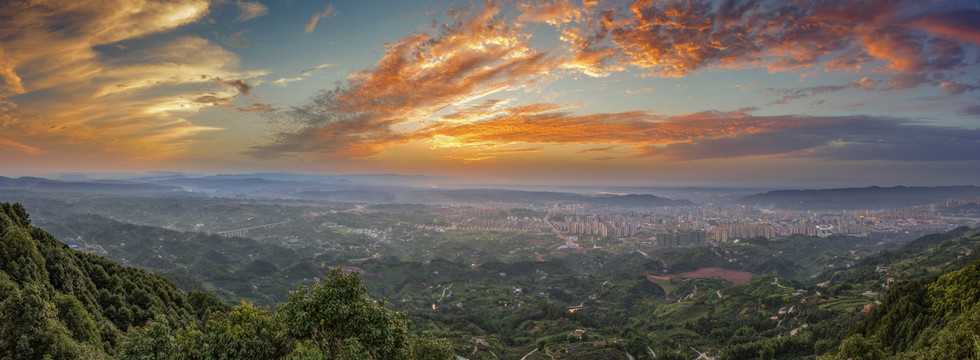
[(705, 93)]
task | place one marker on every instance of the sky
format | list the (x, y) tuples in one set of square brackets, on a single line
[(804, 93)]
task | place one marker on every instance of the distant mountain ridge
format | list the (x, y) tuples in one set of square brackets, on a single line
[(99, 186), (328, 188), (860, 198), (537, 197)]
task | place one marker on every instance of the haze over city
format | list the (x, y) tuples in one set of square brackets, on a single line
[(707, 93)]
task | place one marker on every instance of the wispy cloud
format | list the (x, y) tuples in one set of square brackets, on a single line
[(10, 145), (327, 12), (10, 83), (970, 110), (837, 138), (960, 24), (310, 70), (258, 108), (788, 95), (237, 39), (250, 10), (128, 103), (303, 75), (956, 87), (286, 81), (590, 150)]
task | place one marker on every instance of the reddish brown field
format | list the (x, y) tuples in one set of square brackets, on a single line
[(736, 277)]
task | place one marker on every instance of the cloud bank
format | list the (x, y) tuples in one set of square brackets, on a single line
[(77, 81), (460, 88)]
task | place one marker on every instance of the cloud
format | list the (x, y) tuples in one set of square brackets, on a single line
[(418, 79), (240, 85), (313, 126), (327, 12), (521, 150), (302, 75), (970, 110), (639, 91), (10, 83), (213, 100), (250, 10), (602, 149), (554, 13), (676, 38), (460, 89), (10, 145), (865, 84), (960, 24), (839, 138), (903, 48), (7, 113), (258, 108), (286, 81), (469, 159), (899, 81), (627, 128), (792, 94), (422, 74), (78, 98), (310, 70), (237, 39), (956, 87), (31, 35)]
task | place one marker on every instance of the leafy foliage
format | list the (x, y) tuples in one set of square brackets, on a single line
[(56, 303)]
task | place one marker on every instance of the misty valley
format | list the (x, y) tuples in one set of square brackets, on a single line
[(485, 273)]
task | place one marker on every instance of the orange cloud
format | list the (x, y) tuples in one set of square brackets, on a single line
[(422, 74), (629, 128), (456, 89), (18, 147), (129, 102), (958, 25), (420, 78), (901, 48), (10, 83), (554, 13), (602, 149)]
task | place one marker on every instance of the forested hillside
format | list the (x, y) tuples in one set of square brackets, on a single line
[(933, 318), (62, 304), (917, 301)]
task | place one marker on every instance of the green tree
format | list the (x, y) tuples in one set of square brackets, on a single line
[(150, 342), (246, 332), (858, 347), (339, 317), (79, 322)]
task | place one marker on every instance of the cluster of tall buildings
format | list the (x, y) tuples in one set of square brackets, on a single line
[(911, 214), (734, 230), (961, 202), (689, 226), (682, 238), (594, 226), (624, 229), (588, 228)]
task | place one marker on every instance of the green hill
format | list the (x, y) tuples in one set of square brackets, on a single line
[(915, 301), (57, 303), (63, 303)]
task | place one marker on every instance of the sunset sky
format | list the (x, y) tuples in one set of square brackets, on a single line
[(741, 92)]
